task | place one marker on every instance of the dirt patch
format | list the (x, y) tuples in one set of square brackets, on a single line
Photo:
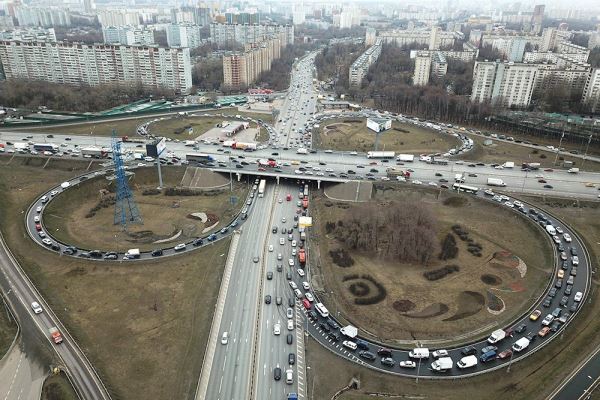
[(491, 280), (432, 310), (404, 305), (455, 201), (469, 303)]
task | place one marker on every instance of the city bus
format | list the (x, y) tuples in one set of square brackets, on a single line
[(465, 188), (53, 148), (199, 157)]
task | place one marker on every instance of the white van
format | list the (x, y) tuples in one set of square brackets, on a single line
[(419, 352), (467, 362), (550, 229), (289, 376), (520, 345)]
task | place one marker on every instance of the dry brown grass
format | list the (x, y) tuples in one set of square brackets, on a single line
[(356, 136), (145, 325), (164, 216), (406, 281), (532, 379)]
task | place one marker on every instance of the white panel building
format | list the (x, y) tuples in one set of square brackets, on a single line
[(505, 83), (360, 67), (77, 63), (591, 92), (422, 69), (128, 35), (184, 35)]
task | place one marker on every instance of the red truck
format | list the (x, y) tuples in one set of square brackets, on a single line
[(55, 335), (305, 202), (288, 197), (302, 256)]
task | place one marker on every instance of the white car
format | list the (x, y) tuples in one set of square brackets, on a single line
[(575, 260), (279, 256), (349, 344), (225, 338), (293, 243), (35, 306), (290, 324), (281, 241), (47, 242), (417, 182), (293, 285), (305, 285), (271, 247), (353, 153), (407, 364), (283, 220), (309, 297), (291, 262), (298, 172), (36, 218), (440, 353), (38, 209), (280, 201), (578, 296), (179, 247), (276, 329), (300, 272), (289, 313), (567, 237)]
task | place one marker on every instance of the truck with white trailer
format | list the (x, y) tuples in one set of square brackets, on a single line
[(495, 182), (405, 157), (381, 154), (509, 164), (132, 253), (496, 336), (442, 364)]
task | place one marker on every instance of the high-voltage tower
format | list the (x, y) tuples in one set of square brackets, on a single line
[(126, 210)]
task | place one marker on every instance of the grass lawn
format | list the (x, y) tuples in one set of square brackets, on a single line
[(164, 216), (531, 379), (347, 134), (127, 127), (456, 304), (500, 152), (144, 326), (58, 387), (8, 330)]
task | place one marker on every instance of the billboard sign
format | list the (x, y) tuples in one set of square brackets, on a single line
[(156, 148)]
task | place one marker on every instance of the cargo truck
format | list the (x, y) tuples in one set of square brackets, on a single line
[(530, 166), (405, 157), (495, 182), (380, 154), (302, 150), (395, 172), (55, 335), (573, 170), (302, 256), (442, 364), (496, 336), (267, 163), (94, 151), (508, 164), (132, 253)]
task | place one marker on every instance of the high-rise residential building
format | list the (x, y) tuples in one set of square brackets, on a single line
[(422, 69), (242, 17), (298, 14), (230, 34), (551, 37), (505, 83), (201, 15), (594, 40), (118, 18), (578, 52), (439, 65), (29, 35), (359, 68), (241, 69), (88, 6), (129, 35), (419, 37), (516, 49), (77, 63), (370, 36), (434, 38), (591, 92), (347, 18), (6, 22), (184, 35), (537, 19), (42, 16)]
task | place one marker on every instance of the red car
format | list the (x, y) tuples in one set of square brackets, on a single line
[(548, 170), (38, 227), (504, 354), (262, 169)]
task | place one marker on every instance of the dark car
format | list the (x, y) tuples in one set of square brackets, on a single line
[(438, 174), (70, 250), (333, 336), (279, 267), (110, 256), (268, 299), (55, 247), (564, 301), (239, 166), (468, 351), (290, 338), (568, 290), (367, 355), (95, 254), (384, 352), (324, 327), (573, 251), (547, 302), (552, 292), (531, 337), (332, 323), (443, 180), (387, 361), (555, 326), (313, 315), (573, 307), (291, 302), (373, 170), (197, 242), (277, 373), (292, 358), (548, 187), (289, 276), (521, 328), (270, 275)]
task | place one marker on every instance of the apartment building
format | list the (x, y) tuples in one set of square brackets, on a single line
[(579, 53), (591, 91), (430, 38), (422, 68), (229, 34), (200, 15), (118, 18), (184, 35), (359, 68), (551, 37), (241, 69), (128, 35), (42, 16), (511, 46), (370, 36), (439, 65), (506, 83), (77, 63), (29, 34)]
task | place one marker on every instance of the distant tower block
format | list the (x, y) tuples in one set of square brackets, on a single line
[(126, 211)]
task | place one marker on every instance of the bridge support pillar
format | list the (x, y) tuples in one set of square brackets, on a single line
[(277, 177), (239, 176), (318, 184)]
